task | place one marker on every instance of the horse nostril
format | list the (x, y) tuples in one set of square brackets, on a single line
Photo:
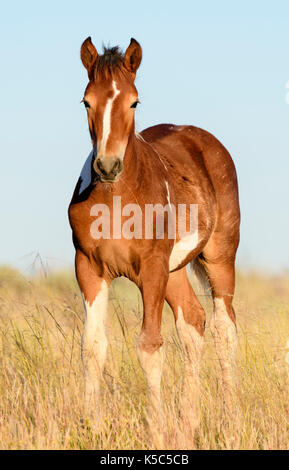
[(100, 166), (116, 167), (108, 168)]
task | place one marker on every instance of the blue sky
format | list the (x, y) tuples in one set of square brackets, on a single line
[(216, 65)]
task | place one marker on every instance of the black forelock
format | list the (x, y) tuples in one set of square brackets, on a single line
[(110, 61)]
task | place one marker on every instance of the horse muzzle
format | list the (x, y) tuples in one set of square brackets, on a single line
[(108, 168)]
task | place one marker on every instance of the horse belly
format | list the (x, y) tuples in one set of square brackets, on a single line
[(191, 245), (185, 250)]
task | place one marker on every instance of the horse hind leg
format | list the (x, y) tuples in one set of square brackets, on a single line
[(221, 274), (223, 327), (190, 323), (150, 343)]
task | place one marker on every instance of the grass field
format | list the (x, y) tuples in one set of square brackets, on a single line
[(41, 382)]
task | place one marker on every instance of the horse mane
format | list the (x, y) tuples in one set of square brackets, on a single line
[(109, 63)]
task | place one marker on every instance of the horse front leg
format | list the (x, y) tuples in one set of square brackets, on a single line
[(94, 290), (154, 277)]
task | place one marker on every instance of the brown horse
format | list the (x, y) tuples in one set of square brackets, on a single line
[(166, 165)]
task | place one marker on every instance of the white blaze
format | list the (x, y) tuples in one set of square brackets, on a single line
[(107, 120)]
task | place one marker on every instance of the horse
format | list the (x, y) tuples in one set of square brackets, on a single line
[(165, 165)]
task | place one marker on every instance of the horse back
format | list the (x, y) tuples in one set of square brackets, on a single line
[(197, 158)]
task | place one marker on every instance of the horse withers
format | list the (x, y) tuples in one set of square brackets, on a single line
[(164, 171)]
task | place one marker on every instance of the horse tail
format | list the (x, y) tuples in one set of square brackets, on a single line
[(197, 274)]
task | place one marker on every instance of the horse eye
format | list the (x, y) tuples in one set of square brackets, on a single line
[(134, 105), (86, 104)]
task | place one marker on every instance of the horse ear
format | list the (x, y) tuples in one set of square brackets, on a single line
[(132, 57), (88, 55)]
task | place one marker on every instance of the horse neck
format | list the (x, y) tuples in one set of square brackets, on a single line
[(140, 160), (132, 161)]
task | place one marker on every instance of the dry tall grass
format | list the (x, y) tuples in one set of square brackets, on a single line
[(41, 385)]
